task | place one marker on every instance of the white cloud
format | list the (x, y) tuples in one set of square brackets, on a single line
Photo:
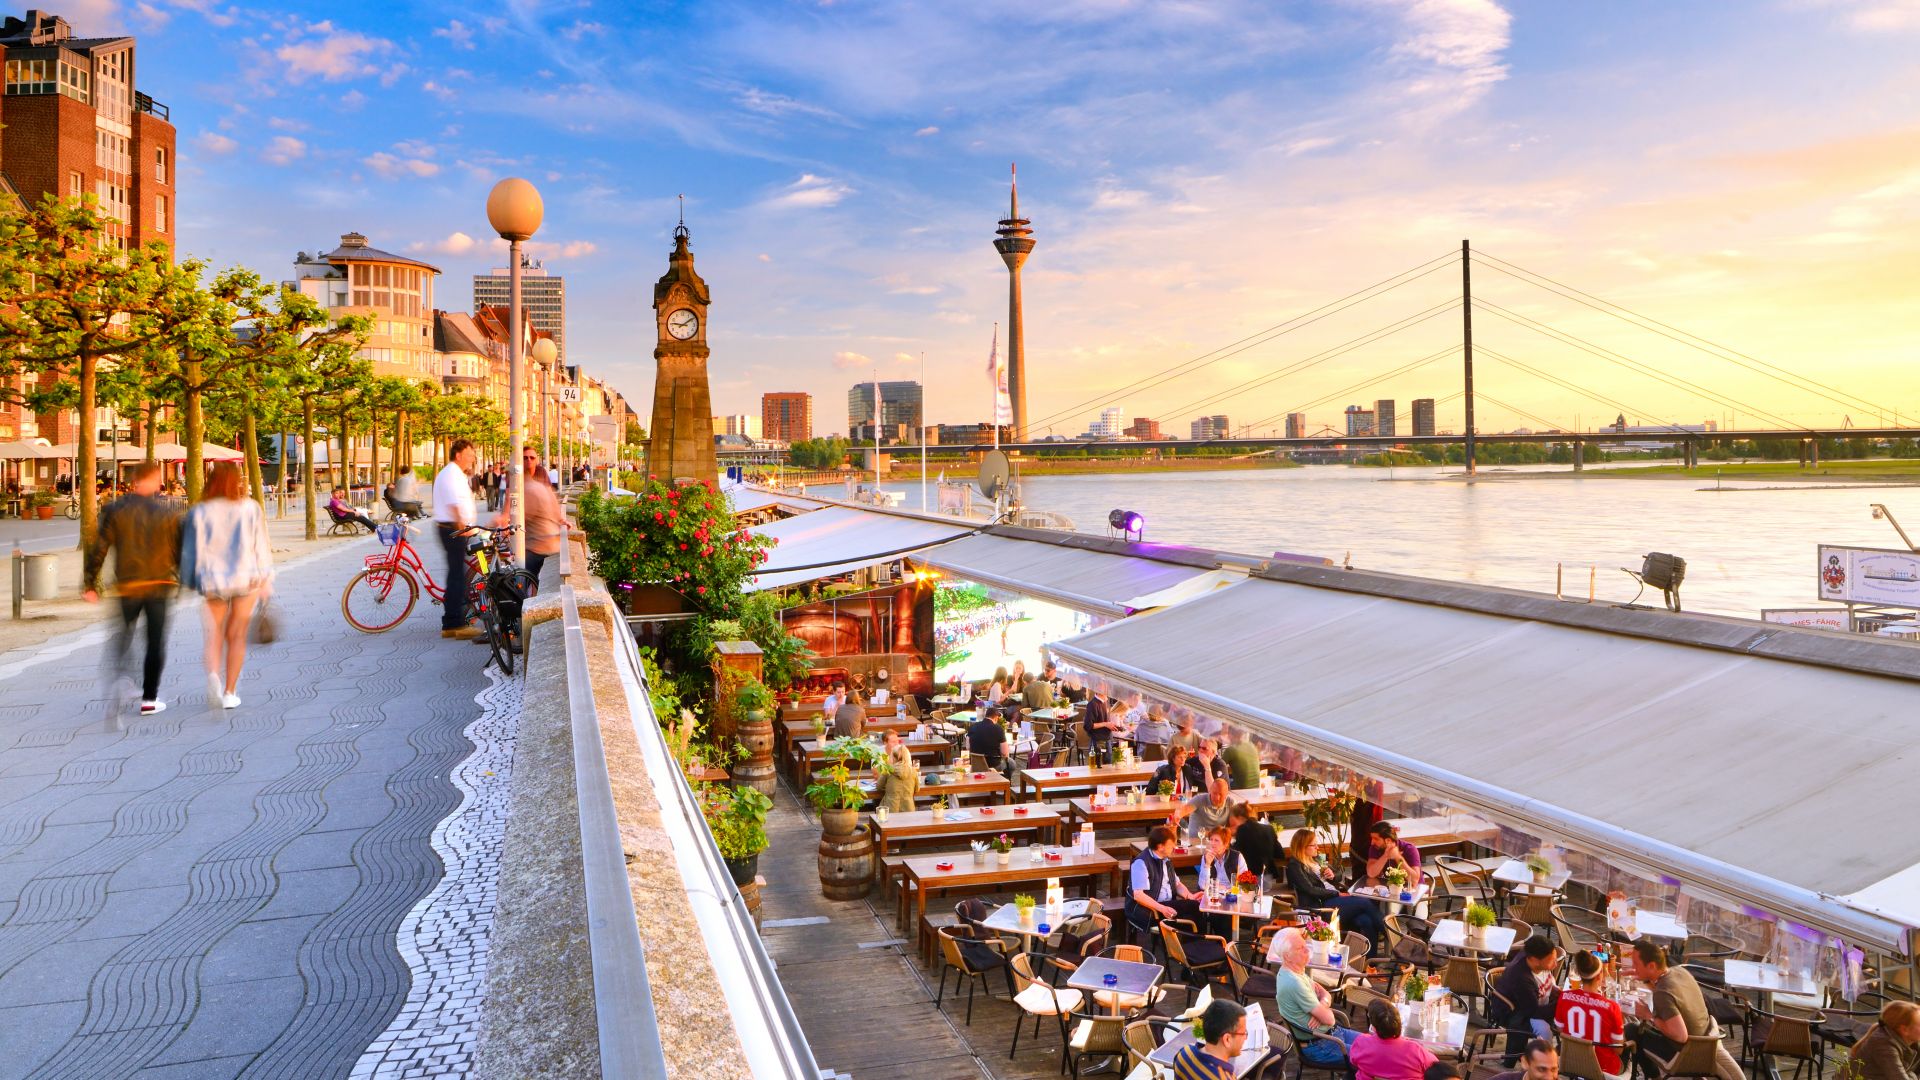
[(282, 123), (1877, 15), (1112, 196), (764, 257), (284, 150), (439, 90), (390, 166), (457, 243), (330, 55), (1309, 145), (215, 143), (458, 34), (811, 191), (767, 103), (905, 358), (352, 100), (850, 360), (1455, 46), (926, 131), (582, 28), (551, 249)]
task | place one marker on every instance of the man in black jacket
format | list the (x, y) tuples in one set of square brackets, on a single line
[(1519, 1003), (1255, 840), (143, 533)]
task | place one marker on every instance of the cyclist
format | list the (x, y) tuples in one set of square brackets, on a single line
[(453, 516)]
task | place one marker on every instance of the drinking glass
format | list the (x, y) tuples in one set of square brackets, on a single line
[(1035, 851)]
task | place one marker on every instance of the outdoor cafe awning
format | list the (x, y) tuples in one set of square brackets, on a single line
[(1778, 784), (1096, 582), (840, 539)]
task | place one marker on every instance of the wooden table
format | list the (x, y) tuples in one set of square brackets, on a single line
[(924, 877), (1452, 933), (1183, 858), (1156, 808), (814, 754), (798, 731), (919, 824), (991, 783), (1047, 778)]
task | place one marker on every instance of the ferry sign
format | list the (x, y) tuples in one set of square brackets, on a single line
[(1868, 575), (1819, 618)]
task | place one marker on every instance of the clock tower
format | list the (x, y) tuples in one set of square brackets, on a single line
[(680, 442)]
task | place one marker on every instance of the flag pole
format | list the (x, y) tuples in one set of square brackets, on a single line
[(923, 431)]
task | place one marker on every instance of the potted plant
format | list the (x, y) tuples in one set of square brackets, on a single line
[(753, 699), (1246, 882), (939, 808), (1540, 867), (1478, 917), (738, 818), (1023, 904), (1003, 847), (1319, 937), (834, 793), (1415, 988), (1395, 876), (1165, 790), (42, 504)]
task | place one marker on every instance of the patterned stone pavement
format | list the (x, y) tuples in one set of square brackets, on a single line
[(212, 893)]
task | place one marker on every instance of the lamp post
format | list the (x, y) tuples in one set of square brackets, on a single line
[(514, 209), (544, 352)]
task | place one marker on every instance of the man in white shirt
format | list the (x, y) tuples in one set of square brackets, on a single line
[(453, 515)]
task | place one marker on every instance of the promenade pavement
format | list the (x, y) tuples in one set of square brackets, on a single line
[(214, 893)]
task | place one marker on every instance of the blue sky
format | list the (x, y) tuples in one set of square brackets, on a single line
[(1195, 171)]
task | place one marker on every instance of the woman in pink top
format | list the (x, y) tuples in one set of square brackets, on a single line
[(1381, 1054)]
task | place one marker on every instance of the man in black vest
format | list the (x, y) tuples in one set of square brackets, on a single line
[(1156, 891)]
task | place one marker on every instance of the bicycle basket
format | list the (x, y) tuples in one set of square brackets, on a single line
[(390, 533)]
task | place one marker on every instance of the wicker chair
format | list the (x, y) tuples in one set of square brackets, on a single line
[(973, 959), (1786, 1032), (1251, 981), (1579, 1058), (1037, 999), (1095, 1035), (1698, 1056)]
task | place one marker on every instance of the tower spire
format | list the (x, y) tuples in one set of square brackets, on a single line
[(1013, 211)]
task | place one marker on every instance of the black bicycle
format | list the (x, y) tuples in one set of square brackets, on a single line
[(498, 596)]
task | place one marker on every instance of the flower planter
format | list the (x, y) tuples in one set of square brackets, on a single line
[(939, 813), (1026, 916), (743, 870), (44, 513), (1006, 858), (1317, 950), (845, 855)]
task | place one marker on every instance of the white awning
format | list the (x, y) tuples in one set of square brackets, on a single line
[(840, 539), (745, 498), (1096, 582), (1751, 777)]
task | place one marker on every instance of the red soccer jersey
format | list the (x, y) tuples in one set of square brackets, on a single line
[(1586, 1015)]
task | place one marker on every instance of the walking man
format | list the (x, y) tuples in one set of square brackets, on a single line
[(453, 515), (144, 534)]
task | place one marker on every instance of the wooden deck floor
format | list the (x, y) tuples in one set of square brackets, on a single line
[(857, 985)]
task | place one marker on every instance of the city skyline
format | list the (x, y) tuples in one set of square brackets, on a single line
[(840, 207)]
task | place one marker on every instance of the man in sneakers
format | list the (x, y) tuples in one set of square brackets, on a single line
[(144, 534), (453, 516)]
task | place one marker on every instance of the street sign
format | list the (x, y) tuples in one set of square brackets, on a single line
[(1818, 618), (1858, 575), (570, 393)]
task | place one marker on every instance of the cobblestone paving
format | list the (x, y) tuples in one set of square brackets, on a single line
[(214, 893), (445, 937)]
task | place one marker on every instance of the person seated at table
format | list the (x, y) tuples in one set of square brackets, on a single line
[(1220, 867), (1207, 762), (1154, 730), (1174, 771), (1072, 692), (1381, 1054), (1254, 839), (1599, 1019), (987, 738), (1207, 809), (1017, 678), (1312, 885), (1038, 693), (1520, 1002), (1099, 723), (1385, 848), (1678, 1013), (997, 687), (849, 716), (1223, 1035), (1155, 890), (1890, 1050), (1186, 736), (1243, 760), (900, 781), (1542, 1062), (1305, 1005), (836, 693), (337, 507)]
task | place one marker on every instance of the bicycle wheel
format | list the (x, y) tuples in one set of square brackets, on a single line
[(499, 652), (378, 598), (511, 590), (73, 509)]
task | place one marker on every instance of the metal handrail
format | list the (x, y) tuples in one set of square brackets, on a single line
[(623, 1003)]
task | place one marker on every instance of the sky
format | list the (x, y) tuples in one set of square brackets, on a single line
[(1196, 173)]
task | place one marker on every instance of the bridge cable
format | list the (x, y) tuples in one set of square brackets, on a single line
[(1363, 384), (1581, 390)]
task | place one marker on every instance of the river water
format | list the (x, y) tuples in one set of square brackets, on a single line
[(1748, 546)]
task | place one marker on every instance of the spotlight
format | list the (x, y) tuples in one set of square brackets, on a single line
[(1127, 523), (1665, 572)]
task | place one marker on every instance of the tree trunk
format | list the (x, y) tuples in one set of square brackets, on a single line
[(373, 447), (280, 489), (346, 459), (252, 457), (83, 452), (153, 428), (306, 466), (194, 430), (401, 438)]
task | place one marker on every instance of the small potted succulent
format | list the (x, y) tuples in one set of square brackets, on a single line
[(1395, 876), (1540, 867), (1003, 848), (1023, 904), (940, 808), (1478, 917), (1165, 790)]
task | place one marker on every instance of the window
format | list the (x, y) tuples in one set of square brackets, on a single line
[(31, 77), (76, 185), (160, 213), (160, 164)]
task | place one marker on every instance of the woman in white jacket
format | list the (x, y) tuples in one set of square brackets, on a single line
[(224, 555)]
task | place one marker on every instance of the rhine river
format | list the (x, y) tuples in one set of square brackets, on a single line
[(1746, 548)]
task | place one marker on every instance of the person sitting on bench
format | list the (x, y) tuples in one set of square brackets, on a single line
[(338, 510)]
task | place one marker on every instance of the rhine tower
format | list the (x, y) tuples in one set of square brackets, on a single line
[(1015, 243)]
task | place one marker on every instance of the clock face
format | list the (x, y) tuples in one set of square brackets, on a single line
[(683, 324)]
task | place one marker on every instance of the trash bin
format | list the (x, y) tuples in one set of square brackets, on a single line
[(42, 572)]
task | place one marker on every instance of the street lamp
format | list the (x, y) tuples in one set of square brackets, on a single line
[(514, 210), (544, 352)]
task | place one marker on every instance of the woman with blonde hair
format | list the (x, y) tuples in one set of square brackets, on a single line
[(901, 781), (225, 557)]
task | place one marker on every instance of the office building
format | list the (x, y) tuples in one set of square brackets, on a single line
[(1359, 420), (1296, 425), (1383, 422), (543, 296), (900, 406), (394, 291), (1423, 416), (786, 417), (1210, 427), (744, 425), (1143, 428), (72, 124)]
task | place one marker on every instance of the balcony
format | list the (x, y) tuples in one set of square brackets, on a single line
[(145, 104)]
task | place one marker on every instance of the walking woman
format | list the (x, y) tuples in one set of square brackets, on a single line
[(545, 521), (226, 558)]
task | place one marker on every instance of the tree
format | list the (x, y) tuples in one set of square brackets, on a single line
[(70, 298), (316, 360)]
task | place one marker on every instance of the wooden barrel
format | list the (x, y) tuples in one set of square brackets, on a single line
[(846, 864), (755, 734)]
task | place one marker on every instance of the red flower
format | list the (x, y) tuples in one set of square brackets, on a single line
[(702, 590), (683, 547)]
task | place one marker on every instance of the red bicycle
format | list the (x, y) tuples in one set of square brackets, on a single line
[(380, 596)]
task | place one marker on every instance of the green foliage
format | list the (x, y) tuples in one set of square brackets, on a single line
[(1479, 915), (958, 599), (817, 453), (834, 789), (1022, 900), (737, 817), (1416, 987), (1539, 864), (783, 657), (683, 537), (753, 697), (725, 630)]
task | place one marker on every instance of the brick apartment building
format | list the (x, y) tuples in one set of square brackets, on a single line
[(72, 124), (786, 417)]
